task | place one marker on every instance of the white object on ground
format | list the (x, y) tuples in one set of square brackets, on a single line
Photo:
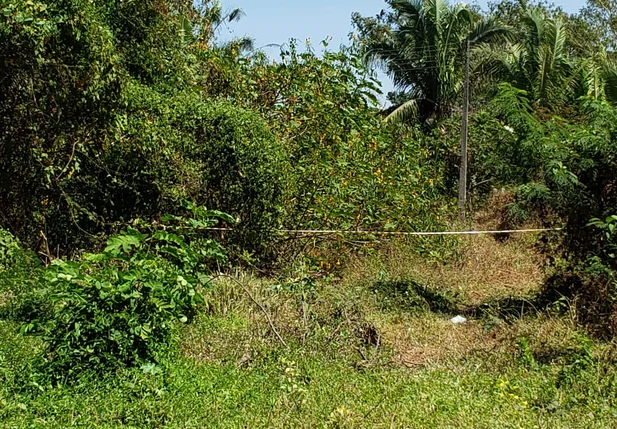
[(458, 320)]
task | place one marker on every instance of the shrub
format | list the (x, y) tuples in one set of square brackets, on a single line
[(60, 82), (22, 293), (564, 173), (242, 171), (591, 279), (210, 152), (102, 123), (347, 169), (119, 307), (10, 251)]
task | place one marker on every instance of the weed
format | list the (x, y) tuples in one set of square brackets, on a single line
[(120, 307)]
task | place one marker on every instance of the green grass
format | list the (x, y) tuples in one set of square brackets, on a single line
[(302, 387), (342, 368)]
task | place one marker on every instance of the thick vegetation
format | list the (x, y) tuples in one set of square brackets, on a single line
[(141, 161)]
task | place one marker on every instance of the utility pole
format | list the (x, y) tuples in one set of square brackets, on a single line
[(462, 190)]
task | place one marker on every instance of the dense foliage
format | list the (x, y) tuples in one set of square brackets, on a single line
[(422, 46), (119, 307), (102, 122), (149, 128), (542, 125), (117, 111)]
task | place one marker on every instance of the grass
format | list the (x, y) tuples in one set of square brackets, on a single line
[(369, 345)]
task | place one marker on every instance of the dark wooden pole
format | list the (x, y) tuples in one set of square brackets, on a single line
[(462, 191)]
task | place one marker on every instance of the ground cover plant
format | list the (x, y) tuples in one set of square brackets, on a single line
[(357, 354)]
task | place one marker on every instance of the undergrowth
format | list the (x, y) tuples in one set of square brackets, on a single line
[(367, 342), (115, 309)]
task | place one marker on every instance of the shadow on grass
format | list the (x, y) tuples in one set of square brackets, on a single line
[(410, 295), (507, 308)]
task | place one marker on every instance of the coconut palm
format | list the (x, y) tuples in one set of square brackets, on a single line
[(539, 63), (202, 24), (421, 45)]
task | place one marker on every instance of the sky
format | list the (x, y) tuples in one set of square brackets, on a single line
[(276, 21)]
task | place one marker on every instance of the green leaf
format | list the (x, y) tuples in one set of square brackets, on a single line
[(125, 243)]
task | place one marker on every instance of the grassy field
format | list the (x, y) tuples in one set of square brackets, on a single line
[(364, 342)]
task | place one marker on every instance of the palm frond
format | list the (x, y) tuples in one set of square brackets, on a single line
[(490, 31), (235, 15), (536, 22), (610, 83), (407, 8), (513, 105), (238, 46), (497, 64), (404, 112)]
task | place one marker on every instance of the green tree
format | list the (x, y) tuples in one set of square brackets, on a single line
[(421, 44), (543, 63), (538, 62), (600, 17), (100, 109)]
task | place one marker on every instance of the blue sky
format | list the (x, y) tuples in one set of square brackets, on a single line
[(276, 21)]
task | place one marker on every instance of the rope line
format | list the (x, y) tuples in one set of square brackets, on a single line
[(382, 233)]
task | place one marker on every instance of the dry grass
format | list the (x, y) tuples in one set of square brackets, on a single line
[(235, 329), (494, 215), (430, 339), (486, 269), (233, 326), (334, 313)]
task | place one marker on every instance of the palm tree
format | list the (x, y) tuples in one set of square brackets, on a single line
[(421, 45), (538, 62), (597, 77), (202, 25)]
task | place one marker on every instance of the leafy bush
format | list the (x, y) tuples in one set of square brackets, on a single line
[(120, 307), (22, 294), (213, 153), (60, 82), (103, 122), (10, 251), (347, 169), (563, 172), (129, 119), (591, 277)]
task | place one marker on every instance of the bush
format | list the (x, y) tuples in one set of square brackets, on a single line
[(22, 293), (564, 173), (212, 153), (119, 307), (10, 251), (347, 169), (591, 279), (242, 169), (102, 122), (60, 82)]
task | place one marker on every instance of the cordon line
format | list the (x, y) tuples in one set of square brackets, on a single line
[(382, 233)]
